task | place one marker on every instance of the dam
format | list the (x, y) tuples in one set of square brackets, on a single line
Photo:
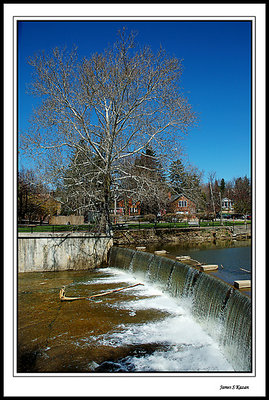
[(178, 320), (222, 311)]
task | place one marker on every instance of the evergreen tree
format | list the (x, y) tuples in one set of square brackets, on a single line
[(178, 177), (186, 179), (149, 187), (222, 187)]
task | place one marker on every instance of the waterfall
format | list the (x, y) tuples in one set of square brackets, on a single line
[(121, 257), (237, 329), (222, 311)]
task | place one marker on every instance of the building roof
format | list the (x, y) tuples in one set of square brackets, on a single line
[(177, 196)]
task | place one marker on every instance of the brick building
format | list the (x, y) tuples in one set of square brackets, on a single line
[(180, 204)]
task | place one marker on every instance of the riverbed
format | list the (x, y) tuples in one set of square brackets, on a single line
[(139, 329)]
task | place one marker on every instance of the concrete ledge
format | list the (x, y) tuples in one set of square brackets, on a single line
[(242, 284), (209, 267), (63, 235), (160, 252)]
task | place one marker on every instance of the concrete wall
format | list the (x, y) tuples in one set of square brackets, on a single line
[(58, 252)]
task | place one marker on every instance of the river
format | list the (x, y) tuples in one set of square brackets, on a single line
[(234, 262), (136, 330)]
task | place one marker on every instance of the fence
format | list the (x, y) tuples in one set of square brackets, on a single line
[(55, 228), (127, 225)]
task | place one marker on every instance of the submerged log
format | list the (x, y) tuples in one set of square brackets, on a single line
[(64, 298), (245, 270), (112, 291)]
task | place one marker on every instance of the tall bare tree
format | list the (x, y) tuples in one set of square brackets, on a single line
[(241, 195), (109, 107), (35, 201)]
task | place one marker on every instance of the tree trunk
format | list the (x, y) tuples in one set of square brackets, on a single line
[(105, 223)]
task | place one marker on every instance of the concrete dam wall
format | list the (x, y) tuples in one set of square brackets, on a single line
[(58, 252), (224, 312)]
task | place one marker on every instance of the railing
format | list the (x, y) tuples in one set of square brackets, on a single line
[(126, 225), (35, 228), (183, 224)]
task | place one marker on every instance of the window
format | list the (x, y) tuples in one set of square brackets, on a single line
[(226, 203), (182, 203)]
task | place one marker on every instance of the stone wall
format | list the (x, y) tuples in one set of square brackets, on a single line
[(75, 251), (57, 252), (175, 235)]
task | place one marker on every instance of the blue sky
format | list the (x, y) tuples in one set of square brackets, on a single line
[(216, 78)]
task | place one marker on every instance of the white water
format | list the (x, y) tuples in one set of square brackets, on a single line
[(184, 345)]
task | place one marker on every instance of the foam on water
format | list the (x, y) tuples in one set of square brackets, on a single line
[(184, 346), (111, 275)]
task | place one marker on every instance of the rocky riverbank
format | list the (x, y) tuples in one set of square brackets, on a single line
[(194, 235)]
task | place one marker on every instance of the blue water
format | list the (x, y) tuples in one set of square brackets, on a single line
[(231, 261)]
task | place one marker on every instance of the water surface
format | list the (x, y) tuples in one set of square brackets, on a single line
[(139, 329), (234, 261)]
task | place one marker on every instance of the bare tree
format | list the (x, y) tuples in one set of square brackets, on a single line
[(108, 107), (35, 201), (241, 195)]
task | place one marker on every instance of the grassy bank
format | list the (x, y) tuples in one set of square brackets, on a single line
[(141, 225)]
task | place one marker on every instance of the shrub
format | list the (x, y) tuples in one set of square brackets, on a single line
[(170, 217), (149, 218)]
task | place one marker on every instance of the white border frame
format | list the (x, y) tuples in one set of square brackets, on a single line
[(112, 12)]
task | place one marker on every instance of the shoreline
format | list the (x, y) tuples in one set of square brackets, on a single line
[(191, 235)]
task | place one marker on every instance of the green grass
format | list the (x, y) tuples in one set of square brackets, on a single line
[(142, 225), (183, 224)]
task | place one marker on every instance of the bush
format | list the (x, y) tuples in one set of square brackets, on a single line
[(149, 218), (170, 217)]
